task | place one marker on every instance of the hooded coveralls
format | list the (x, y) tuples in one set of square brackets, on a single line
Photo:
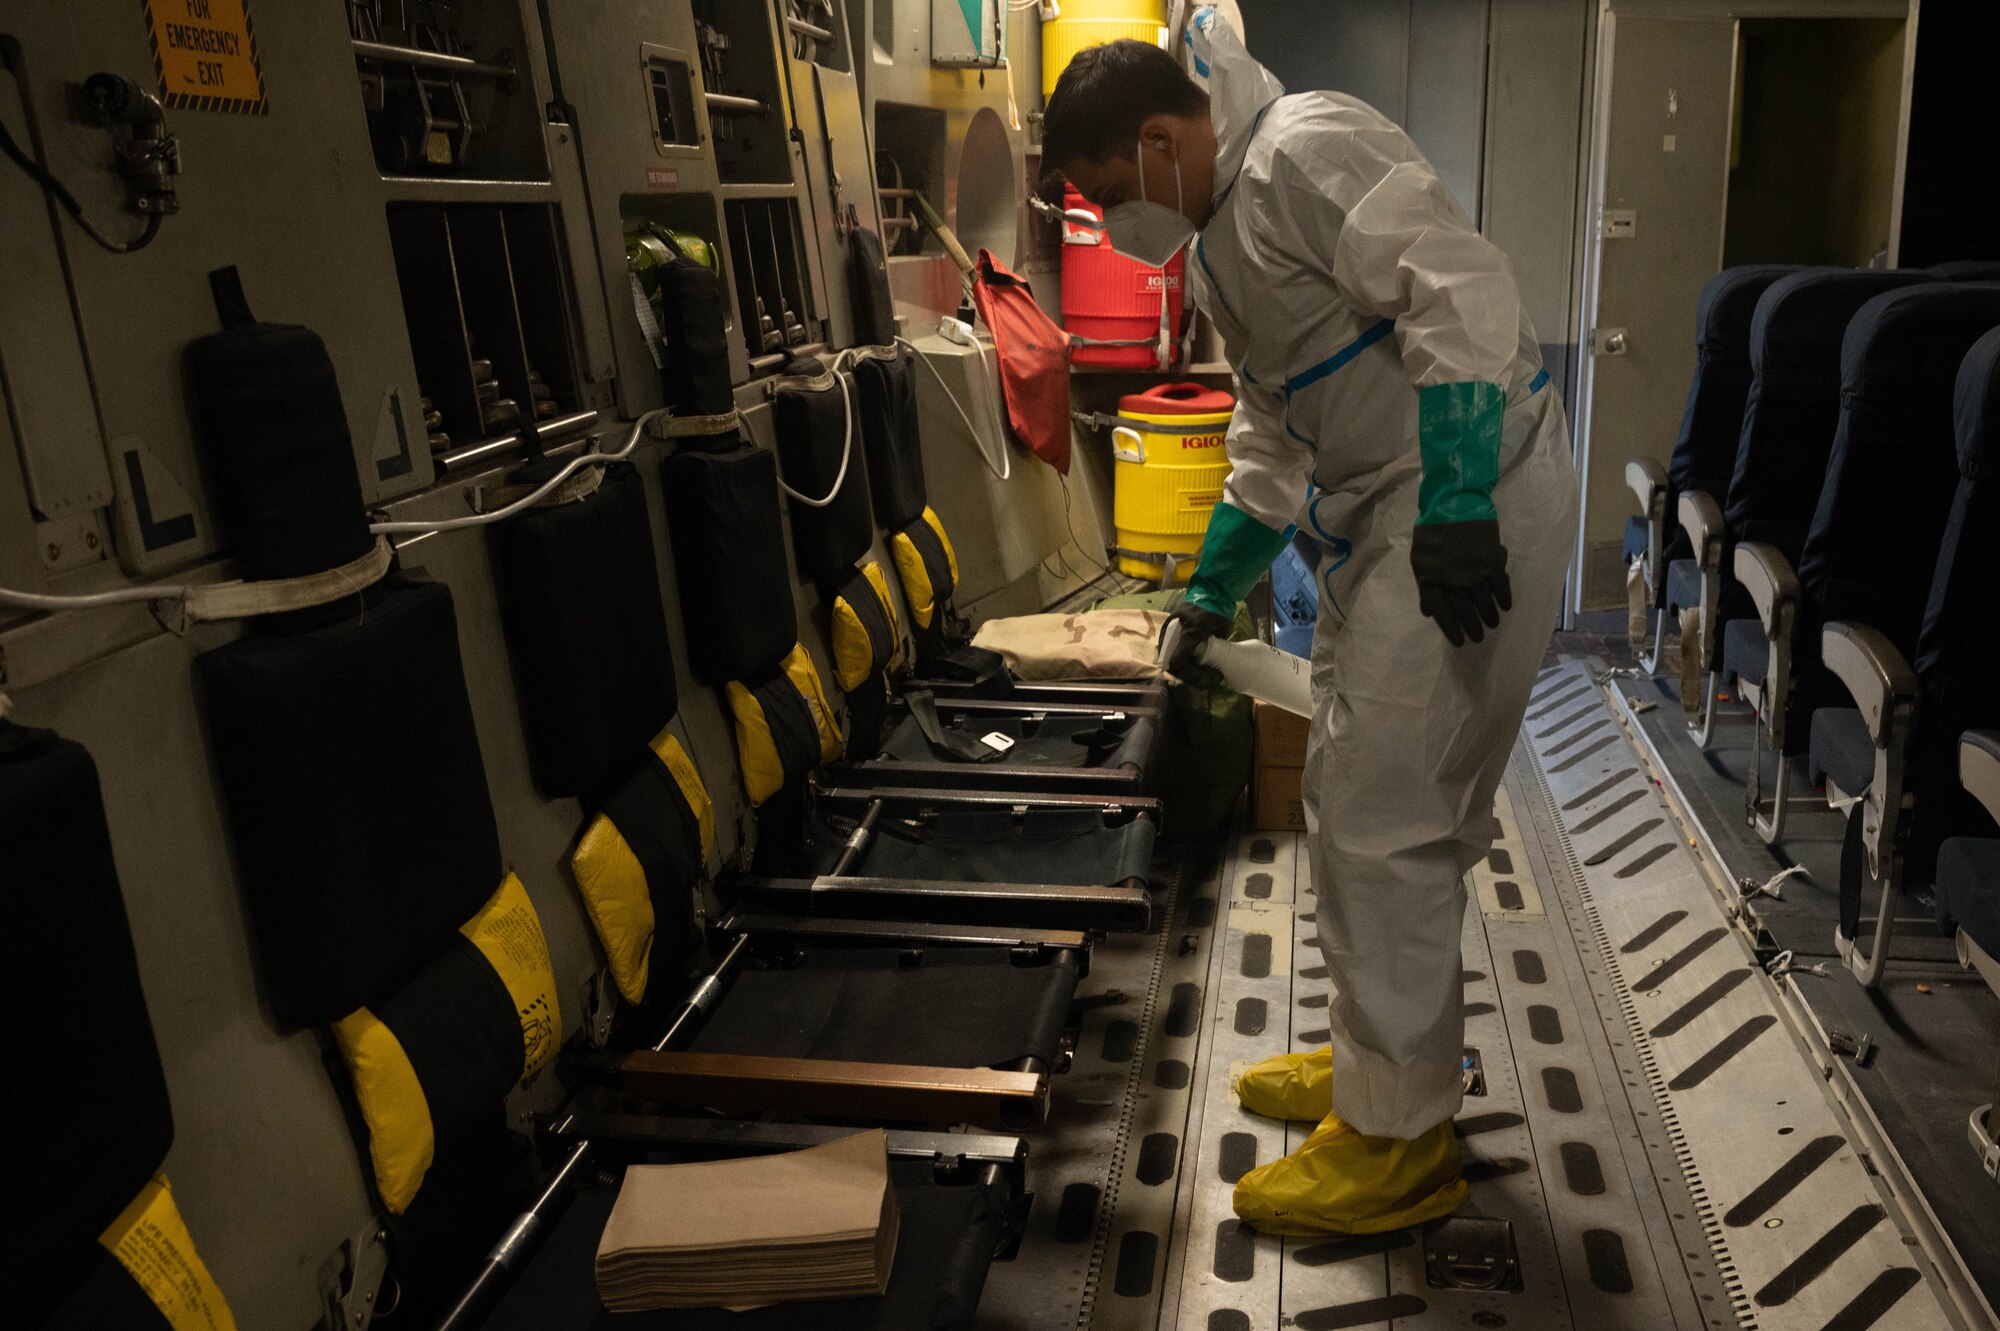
[(1386, 377)]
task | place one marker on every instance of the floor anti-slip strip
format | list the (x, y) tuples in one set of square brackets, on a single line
[(1780, 1199)]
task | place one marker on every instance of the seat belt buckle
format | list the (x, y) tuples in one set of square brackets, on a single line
[(996, 741)]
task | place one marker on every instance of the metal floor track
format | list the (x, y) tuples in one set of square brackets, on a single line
[(1659, 1139)]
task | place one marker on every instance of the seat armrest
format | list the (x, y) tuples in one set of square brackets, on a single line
[(1885, 689), (1701, 518), (1979, 767), (1767, 575), (1877, 677), (1647, 480), (1774, 589)]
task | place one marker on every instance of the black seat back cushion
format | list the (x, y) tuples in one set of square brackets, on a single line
[(1958, 650), (356, 798), (1794, 403), (278, 456), (102, 1122), (816, 439), (580, 599), (1873, 546), (888, 388), (868, 288), (1705, 449), (729, 560)]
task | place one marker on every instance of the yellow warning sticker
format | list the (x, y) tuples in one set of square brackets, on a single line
[(206, 55)]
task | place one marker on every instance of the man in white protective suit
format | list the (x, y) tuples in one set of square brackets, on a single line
[(1391, 404)]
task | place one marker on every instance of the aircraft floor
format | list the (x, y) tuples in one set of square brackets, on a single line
[(1658, 1144)]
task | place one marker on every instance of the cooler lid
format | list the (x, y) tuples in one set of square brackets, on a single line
[(1186, 399)]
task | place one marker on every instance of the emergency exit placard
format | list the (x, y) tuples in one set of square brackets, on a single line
[(206, 55)]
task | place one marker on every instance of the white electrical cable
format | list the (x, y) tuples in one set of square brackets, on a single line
[(151, 592), (596, 459), (846, 448), (1006, 468)]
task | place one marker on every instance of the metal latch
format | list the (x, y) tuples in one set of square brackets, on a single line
[(1608, 342), (350, 1281), (1472, 1252), (1986, 1143), (1860, 1050), (1473, 1073)]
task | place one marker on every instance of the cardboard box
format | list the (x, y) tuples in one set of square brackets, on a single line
[(1275, 802), (1281, 737)]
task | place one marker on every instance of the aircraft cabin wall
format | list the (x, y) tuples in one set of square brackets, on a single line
[(511, 251)]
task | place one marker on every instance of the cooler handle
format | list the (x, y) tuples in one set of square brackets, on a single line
[(1134, 452)]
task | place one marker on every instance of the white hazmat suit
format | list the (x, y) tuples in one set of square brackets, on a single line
[(1387, 377)]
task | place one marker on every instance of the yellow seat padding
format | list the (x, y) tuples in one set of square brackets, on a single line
[(919, 587), (856, 652), (389, 1088), (615, 891), (784, 726), (151, 1241), (509, 935)]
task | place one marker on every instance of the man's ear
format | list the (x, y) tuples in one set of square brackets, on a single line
[(1160, 129)]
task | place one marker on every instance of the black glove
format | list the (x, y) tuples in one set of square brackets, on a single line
[(1461, 570), (1197, 627)]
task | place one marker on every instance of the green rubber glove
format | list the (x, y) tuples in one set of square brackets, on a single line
[(1234, 554), (1455, 552)]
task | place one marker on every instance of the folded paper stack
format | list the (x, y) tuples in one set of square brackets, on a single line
[(814, 1224)]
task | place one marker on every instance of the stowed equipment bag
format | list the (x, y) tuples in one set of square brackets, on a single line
[(1034, 361)]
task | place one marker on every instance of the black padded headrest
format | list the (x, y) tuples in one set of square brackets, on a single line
[(357, 800), (102, 1122), (279, 458), (729, 561), (580, 598), (1796, 332), (1966, 270)]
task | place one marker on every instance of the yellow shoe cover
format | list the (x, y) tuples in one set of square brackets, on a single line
[(1341, 1182), (1289, 1086)]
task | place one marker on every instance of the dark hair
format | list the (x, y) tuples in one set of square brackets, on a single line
[(1104, 95)]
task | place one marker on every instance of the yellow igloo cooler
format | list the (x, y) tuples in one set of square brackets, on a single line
[(1170, 466), (1087, 22)]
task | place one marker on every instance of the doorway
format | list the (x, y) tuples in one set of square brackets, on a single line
[(1714, 141)]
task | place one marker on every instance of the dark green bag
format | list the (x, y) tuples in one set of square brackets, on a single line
[(1202, 760)]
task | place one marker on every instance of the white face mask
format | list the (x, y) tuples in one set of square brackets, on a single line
[(1147, 232)]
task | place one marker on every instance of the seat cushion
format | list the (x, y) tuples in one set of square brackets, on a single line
[(938, 1007), (1683, 585), (1070, 847), (350, 769), (1746, 652), (1635, 539), (1968, 889), (945, 1244), (1842, 752), (107, 1126)]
